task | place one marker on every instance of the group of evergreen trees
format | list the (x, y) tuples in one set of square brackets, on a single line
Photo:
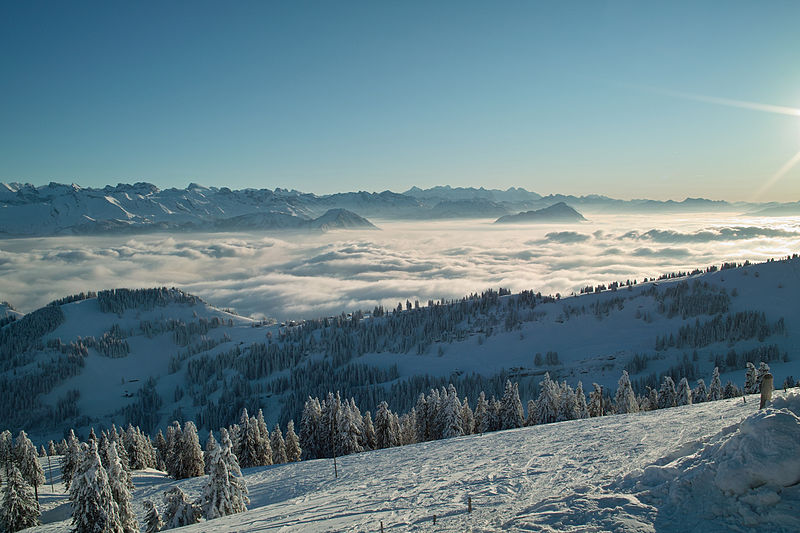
[(23, 477)]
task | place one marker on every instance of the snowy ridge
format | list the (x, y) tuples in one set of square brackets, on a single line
[(90, 361)]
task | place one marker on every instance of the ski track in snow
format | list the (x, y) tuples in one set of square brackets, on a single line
[(554, 477)]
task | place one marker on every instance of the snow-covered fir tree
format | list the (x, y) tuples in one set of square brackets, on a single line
[(174, 438), (265, 454), (547, 404), (596, 401), (27, 459), (94, 509), (583, 410), (511, 415), (625, 400), (310, 429), (450, 414), (72, 458), (667, 395), (763, 370), (715, 391), (467, 418), (19, 508), (211, 444), (700, 393), (751, 379), (481, 414), (370, 440), (6, 450), (293, 450), (278, 446), (249, 441), (121, 486), (408, 427), (684, 394), (179, 511), (225, 492), (191, 454), (568, 403), (152, 519)]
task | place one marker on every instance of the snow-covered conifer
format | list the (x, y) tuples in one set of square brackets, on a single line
[(596, 401), (173, 445), (751, 379), (451, 415), (72, 458), (408, 427), (763, 370), (94, 509), (715, 391), (370, 441), (511, 415), (667, 395), (178, 510), (482, 414), (152, 520), (348, 429), (580, 398), (422, 422), (121, 486), (191, 454), (548, 402), (684, 395), (310, 429), (293, 451), (27, 460), (6, 450), (493, 414), (211, 443), (625, 400), (19, 509), (278, 446), (700, 393), (467, 418), (530, 420), (568, 403), (225, 492), (265, 454)]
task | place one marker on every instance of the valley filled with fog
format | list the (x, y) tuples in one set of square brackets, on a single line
[(289, 275)]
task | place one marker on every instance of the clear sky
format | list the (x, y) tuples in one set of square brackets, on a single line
[(572, 97)]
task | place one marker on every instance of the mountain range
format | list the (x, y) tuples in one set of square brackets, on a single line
[(57, 209)]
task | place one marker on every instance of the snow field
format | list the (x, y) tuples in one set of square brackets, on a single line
[(686, 468)]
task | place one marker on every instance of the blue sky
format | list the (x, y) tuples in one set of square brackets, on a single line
[(572, 97)]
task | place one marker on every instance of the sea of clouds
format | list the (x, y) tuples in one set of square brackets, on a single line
[(290, 275)]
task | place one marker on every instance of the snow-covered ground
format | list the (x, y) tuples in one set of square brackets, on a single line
[(690, 468)]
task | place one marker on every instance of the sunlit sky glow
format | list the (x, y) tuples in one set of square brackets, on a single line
[(628, 99)]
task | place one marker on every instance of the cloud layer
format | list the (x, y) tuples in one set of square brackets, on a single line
[(296, 276)]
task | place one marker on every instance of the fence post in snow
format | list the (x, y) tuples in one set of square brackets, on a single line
[(469, 504), (381, 526)]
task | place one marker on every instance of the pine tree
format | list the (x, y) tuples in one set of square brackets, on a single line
[(482, 414), (451, 415), (265, 453), (547, 403), (715, 392), (625, 399), (684, 395), (121, 486), (700, 393), (531, 418), (249, 442), (583, 410), (667, 395), (407, 425), (6, 451), (211, 443), (27, 460), (311, 430), (467, 418), (751, 379), (370, 442), (596, 401), (19, 509), (293, 450), (511, 415), (179, 511), (278, 446), (173, 445), (152, 520), (94, 509), (348, 430), (225, 492), (72, 458)]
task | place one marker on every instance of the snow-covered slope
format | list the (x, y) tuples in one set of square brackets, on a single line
[(713, 467), (87, 361)]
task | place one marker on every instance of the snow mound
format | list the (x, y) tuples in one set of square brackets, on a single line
[(744, 476)]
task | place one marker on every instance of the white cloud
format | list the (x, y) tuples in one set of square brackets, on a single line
[(290, 276)]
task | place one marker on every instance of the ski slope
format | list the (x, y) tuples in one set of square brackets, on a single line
[(653, 471)]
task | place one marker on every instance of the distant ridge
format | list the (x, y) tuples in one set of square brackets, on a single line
[(559, 212)]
